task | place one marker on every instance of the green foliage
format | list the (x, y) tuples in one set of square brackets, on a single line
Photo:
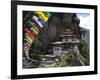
[(35, 47), (40, 66), (64, 61), (69, 59), (84, 51), (36, 44), (35, 50)]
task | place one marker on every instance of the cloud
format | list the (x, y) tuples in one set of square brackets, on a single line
[(84, 21)]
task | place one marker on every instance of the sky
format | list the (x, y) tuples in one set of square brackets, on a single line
[(84, 20)]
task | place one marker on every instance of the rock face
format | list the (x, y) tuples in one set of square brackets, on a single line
[(56, 25)]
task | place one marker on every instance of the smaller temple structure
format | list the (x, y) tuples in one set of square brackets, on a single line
[(57, 48)]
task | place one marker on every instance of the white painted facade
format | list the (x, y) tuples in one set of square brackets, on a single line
[(57, 51)]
